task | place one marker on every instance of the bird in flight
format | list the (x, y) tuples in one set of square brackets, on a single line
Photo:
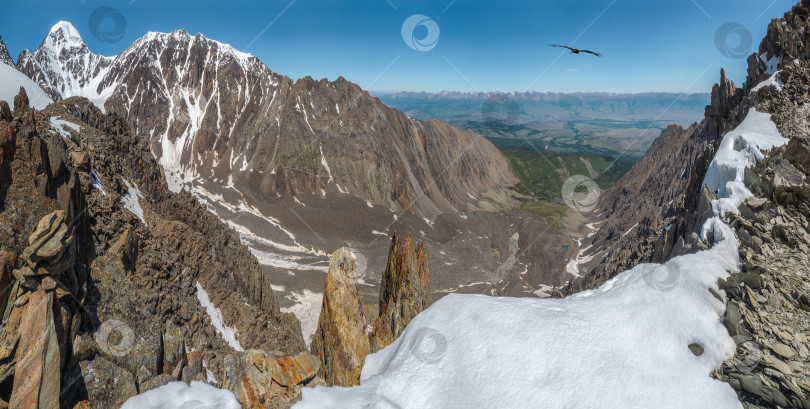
[(577, 51)]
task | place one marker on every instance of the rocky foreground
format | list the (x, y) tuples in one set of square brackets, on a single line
[(114, 286), (768, 310), (103, 271)]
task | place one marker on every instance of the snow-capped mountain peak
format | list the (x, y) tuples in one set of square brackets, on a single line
[(64, 36), (64, 67)]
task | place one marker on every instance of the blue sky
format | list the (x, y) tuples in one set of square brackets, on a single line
[(482, 45)]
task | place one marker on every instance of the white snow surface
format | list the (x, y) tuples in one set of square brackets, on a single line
[(739, 149), (59, 125), (70, 67), (131, 200), (623, 345), (227, 333), (307, 309), (178, 395), (10, 82)]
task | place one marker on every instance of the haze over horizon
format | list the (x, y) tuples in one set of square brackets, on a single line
[(480, 46)]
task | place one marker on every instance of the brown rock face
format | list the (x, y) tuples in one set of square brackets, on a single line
[(5, 112), (7, 261), (344, 336), (262, 380), (341, 340), (107, 385), (405, 291), (20, 102), (122, 304), (37, 375)]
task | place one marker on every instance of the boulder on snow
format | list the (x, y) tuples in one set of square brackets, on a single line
[(261, 380), (107, 385)]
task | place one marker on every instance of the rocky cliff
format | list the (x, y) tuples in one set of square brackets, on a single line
[(643, 207), (131, 285)]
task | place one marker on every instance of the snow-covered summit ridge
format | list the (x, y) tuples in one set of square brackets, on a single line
[(64, 35), (64, 66), (183, 36), (740, 148)]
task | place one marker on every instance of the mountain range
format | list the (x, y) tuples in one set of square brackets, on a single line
[(179, 212), (580, 123), (294, 168)]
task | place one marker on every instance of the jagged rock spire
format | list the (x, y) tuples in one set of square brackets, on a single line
[(5, 57), (344, 336)]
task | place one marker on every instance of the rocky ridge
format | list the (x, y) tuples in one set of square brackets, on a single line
[(767, 313), (214, 116), (112, 264), (5, 57)]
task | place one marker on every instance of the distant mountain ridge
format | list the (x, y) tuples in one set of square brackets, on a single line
[(593, 123), (535, 94), (608, 103)]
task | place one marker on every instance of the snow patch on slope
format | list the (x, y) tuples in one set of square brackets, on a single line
[(770, 81), (179, 395), (131, 200), (58, 124), (227, 333), (307, 309)]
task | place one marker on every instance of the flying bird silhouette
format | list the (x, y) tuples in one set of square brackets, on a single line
[(576, 50)]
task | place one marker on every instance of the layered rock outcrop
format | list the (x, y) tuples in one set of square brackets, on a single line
[(768, 312), (345, 335), (267, 380), (405, 291)]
